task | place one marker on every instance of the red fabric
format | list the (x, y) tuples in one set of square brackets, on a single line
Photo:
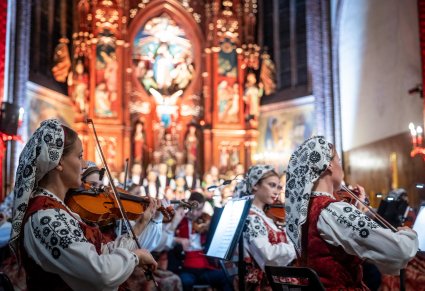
[(91, 233), (193, 259), (337, 269), (415, 277), (255, 277), (37, 278)]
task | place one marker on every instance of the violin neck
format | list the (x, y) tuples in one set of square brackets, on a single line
[(276, 205), (134, 198)]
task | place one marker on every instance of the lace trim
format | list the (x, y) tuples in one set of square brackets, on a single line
[(318, 194)]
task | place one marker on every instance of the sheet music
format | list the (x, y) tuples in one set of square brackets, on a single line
[(419, 227), (226, 229)]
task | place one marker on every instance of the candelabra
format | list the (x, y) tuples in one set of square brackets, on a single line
[(417, 141)]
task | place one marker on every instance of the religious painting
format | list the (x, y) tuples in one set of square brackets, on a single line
[(228, 101), (162, 57), (227, 59), (229, 157), (283, 127), (109, 146), (106, 95), (45, 104), (191, 106)]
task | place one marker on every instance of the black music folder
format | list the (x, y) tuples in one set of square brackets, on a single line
[(226, 228)]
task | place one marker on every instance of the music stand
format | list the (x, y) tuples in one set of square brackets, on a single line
[(419, 227), (227, 233)]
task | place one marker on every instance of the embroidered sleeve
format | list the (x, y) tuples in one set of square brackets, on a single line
[(55, 240), (262, 250), (58, 232), (255, 228), (341, 224), (149, 238)]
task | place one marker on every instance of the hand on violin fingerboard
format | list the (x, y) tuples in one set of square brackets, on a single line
[(178, 216), (145, 259), (362, 196), (146, 216)]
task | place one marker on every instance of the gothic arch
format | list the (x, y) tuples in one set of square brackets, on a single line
[(192, 30), (184, 19)]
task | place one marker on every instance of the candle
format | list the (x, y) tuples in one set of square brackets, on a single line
[(419, 137)]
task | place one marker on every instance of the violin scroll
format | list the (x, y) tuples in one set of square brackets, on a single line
[(202, 224), (276, 211), (185, 204)]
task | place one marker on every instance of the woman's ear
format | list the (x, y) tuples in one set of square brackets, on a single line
[(330, 168), (59, 167)]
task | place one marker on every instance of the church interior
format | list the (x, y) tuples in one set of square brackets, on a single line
[(209, 88)]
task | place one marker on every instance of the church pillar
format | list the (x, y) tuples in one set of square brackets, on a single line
[(17, 70), (319, 53), (3, 28), (421, 15)]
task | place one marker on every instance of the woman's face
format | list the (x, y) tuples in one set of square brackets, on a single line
[(94, 180), (72, 164), (337, 172), (267, 189)]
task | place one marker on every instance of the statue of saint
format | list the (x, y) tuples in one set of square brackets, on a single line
[(80, 83), (191, 144), (138, 143), (166, 106), (252, 95)]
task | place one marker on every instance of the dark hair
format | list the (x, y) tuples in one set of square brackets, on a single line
[(92, 170), (70, 138), (198, 197)]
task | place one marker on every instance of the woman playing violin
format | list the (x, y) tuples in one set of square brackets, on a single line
[(333, 237), (181, 234), (265, 243), (148, 227), (58, 250)]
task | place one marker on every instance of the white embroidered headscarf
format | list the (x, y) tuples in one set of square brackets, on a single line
[(254, 174), (305, 166), (40, 155)]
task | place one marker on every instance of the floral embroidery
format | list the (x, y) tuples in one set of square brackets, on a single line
[(354, 219), (59, 234), (305, 166), (46, 145), (256, 228)]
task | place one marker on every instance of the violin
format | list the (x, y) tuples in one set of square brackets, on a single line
[(201, 224), (344, 196), (409, 217), (372, 212), (276, 211), (98, 204), (117, 201)]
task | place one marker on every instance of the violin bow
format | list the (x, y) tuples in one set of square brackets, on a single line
[(148, 273), (374, 214)]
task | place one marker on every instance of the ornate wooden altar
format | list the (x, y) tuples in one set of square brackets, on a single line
[(168, 81)]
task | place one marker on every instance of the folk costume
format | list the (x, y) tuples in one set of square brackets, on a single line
[(265, 244), (58, 250), (193, 267), (334, 237)]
